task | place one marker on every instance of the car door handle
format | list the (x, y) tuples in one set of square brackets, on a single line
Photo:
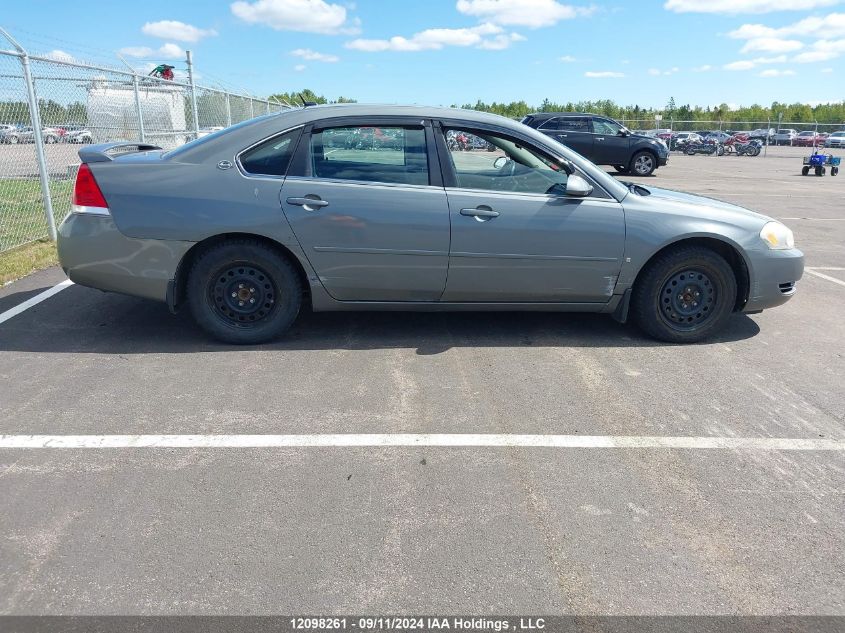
[(480, 212), (308, 202), (563, 135), (599, 138)]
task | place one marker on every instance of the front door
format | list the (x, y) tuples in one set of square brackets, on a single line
[(611, 146), (517, 237), (366, 214)]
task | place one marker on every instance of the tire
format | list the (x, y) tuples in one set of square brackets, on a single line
[(257, 275), (666, 315), (720, 151), (689, 152), (13, 140), (834, 171), (643, 164), (805, 170)]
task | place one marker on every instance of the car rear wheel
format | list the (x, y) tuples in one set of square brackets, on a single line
[(244, 292), (684, 295), (643, 163)]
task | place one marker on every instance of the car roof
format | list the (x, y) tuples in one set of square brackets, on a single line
[(549, 115)]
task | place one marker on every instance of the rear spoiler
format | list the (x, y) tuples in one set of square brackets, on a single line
[(107, 151)]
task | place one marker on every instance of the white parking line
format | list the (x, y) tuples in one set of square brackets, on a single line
[(26, 305), (410, 440), (815, 273), (824, 268)]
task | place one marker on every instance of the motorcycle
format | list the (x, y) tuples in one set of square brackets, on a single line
[(750, 148), (703, 147)]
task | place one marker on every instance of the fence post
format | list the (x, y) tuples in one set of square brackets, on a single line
[(190, 61), (251, 108), (268, 106), (38, 138), (142, 135), (228, 111)]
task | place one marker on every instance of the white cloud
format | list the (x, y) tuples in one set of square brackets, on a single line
[(314, 56), (307, 16), (826, 70), (165, 51), (823, 50), (748, 64), (603, 74), (300, 67), (831, 25), (567, 59), (435, 39), (530, 13), (175, 30), (702, 69), (771, 45), (653, 71), (137, 51), (733, 7), (61, 56), (774, 72)]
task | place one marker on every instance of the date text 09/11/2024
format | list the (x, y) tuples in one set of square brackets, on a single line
[(421, 623)]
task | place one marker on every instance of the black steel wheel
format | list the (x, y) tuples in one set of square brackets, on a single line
[(805, 170), (243, 291), (684, 295)]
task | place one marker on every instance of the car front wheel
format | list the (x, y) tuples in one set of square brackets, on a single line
[(684, 295), (643, 164), (244, 292)]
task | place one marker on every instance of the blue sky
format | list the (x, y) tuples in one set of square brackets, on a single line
[(456, 51)]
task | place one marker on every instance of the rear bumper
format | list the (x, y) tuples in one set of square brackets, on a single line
[(94, 253), (774, 276)]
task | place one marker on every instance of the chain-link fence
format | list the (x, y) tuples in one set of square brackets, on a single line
[(49, 107)]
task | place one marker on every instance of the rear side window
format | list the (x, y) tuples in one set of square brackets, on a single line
[(272, 157), (566, 124), (395, 155)]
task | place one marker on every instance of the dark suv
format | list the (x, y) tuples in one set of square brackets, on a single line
[(602, 140)]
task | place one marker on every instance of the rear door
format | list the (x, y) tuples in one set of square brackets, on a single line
[(573, 131), (366, 202)]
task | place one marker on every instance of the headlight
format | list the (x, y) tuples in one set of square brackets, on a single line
[(777, 236)]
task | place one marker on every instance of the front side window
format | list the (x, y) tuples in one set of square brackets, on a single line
[(497, 163), (272, 157), (605, 127), (394, 155)]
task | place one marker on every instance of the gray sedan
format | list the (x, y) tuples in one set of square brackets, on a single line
[(247, 223)]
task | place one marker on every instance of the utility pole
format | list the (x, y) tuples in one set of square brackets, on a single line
[(190, 63)]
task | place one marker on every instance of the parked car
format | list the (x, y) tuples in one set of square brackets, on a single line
[(246, 224), (804, 139), (78, 134), (49, 134), (785, 136), (767, 135), (682, 138), (602, 140), (836, 139), (717, 137), (9, 134)]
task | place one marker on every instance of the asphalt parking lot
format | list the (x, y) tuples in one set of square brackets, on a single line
[(742, 528)]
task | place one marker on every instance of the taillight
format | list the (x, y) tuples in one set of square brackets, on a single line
[(87, 196)]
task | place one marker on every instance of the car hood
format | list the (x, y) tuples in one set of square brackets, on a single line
[(700, 206)]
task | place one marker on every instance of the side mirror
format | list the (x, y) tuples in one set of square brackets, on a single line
[(624, 132), (501, 161), (577, 187)]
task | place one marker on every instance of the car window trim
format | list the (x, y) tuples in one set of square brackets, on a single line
[(450, 181), (302, 158), (250, 175)]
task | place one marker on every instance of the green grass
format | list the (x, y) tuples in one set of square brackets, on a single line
[(19, 262), (22, 209)]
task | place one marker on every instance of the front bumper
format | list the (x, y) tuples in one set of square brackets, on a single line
[(94, 253), (662, 160), (773, 276)]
